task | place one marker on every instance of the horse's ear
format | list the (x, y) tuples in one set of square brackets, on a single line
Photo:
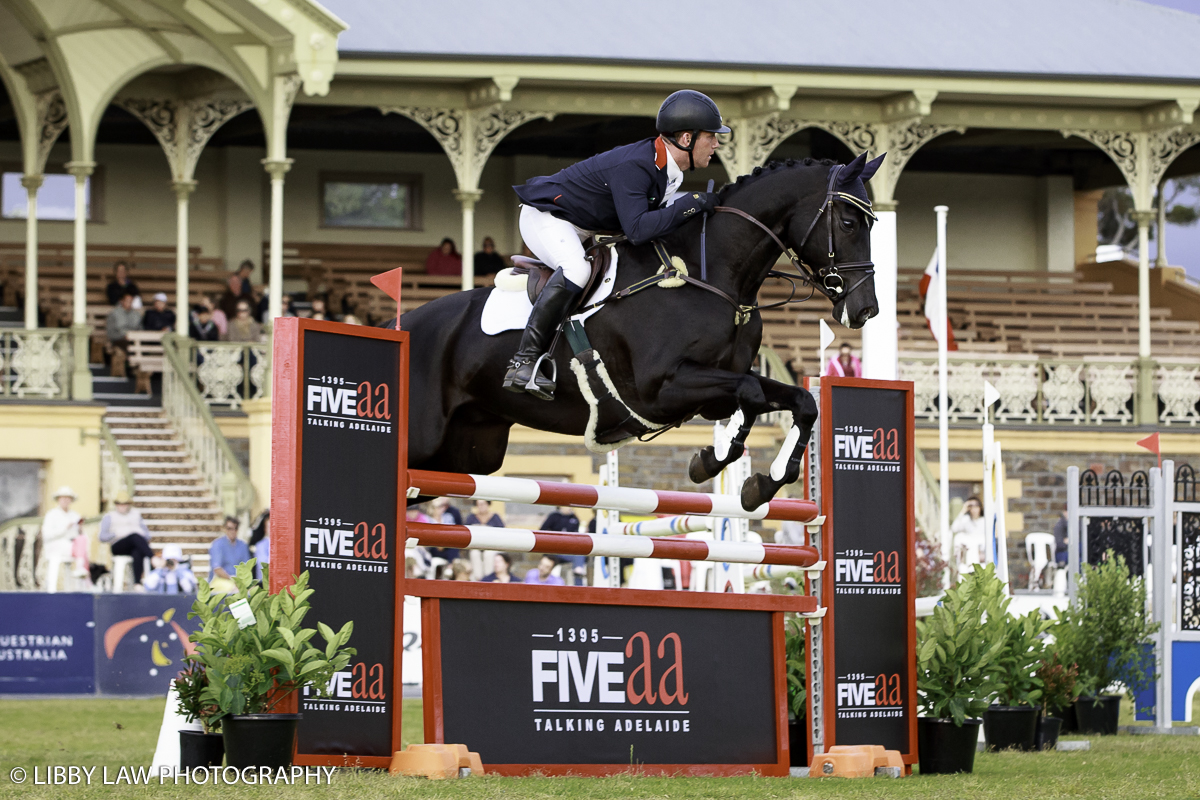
[(850, 173), (872, 167)]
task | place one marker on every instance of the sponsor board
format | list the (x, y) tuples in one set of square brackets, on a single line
[(46, 644), (867, 464)]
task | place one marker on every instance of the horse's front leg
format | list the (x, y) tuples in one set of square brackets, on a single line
[(785, 469)]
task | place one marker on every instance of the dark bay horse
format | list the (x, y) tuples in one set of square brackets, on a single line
[(672, 353)]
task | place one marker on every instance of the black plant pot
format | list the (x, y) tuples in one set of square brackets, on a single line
[(199, 749), (1007, 727), (1099, 714), (1047, 732), (260, 740), (946, 748), (1070, 721), (798, 742)]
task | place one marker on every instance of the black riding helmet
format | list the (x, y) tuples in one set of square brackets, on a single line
[(688, 110)]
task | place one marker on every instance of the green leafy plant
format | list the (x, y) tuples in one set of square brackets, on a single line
[(794, 650), (1105, 630), (190, 684), (1014, 669), (1058, 684), (250, 670), (956, 648)]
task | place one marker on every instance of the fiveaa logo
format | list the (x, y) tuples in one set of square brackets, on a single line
[(331, 401), (861, 448)]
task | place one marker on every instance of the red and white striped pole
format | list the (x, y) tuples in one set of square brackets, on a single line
[(613, 498), (485, 537)]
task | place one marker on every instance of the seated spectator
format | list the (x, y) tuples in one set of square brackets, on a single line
[(243, 328), (501, 569), (158, 317), (226, 552), (446, 514), (173, 577), (444, 260), (121, 320), (487, 260), (202, 327), (243, 273), (236, 290), (120, 284), (125, 531), (318, 308), (845, 364), (563, 519), (460, 570), (218, 316), (260, 542), (541, 574), (483, 515), (350, 319), (1062, 546), (60, 527)]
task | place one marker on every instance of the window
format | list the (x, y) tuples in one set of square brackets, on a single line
[(55, 199), (371, 200)]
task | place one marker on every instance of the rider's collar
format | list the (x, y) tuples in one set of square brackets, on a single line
[(661, 156)]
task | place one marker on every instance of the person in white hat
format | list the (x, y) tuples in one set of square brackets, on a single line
[(126, 531), (59, 527), (159, 317), (173, 577)]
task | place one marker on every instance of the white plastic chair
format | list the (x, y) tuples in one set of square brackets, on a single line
[(966, 552), (119, 566), (1039, 549)]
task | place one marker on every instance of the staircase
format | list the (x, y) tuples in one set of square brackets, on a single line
[(115, 390), (177, 506), (11, 317)]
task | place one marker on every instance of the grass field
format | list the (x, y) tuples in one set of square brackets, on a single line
[(102, 732)]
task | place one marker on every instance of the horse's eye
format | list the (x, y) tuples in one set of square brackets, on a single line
[(848, 224)]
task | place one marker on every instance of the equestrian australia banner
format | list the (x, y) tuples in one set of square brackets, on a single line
[(868, 539)]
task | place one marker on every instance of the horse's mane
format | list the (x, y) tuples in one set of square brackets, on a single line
[(772, 166)]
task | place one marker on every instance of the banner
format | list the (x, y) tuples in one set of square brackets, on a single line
[(867, 480), (140, 641), (46, 644)]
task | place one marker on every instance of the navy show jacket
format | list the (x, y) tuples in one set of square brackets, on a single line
[(620, 190)]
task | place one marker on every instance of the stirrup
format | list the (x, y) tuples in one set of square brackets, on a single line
[(532, 387)]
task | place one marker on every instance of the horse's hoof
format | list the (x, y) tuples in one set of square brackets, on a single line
[(758, 489), (705, 465)]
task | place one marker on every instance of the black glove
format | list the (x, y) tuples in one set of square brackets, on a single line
[(707, 201)]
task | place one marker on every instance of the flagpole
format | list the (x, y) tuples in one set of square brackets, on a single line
[(942, 326)]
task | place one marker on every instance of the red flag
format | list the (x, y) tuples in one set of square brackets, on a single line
[(929, 295), (1151, 444), (389, 284)]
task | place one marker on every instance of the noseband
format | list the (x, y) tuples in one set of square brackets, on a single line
[(826, 279)]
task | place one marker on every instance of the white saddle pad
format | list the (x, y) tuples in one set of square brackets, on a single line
[(508, 307)]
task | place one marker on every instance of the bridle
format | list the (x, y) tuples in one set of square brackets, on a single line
[(826, 279)]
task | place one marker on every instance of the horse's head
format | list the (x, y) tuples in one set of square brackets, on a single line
[(837, 244)]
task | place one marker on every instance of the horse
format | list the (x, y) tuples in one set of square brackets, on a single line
[(672, 353)]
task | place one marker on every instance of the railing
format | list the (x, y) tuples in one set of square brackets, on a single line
[(1093, 391), (36, 363), (926, 497), (226, 373), (18, 539), (115, 474), (191, 416)]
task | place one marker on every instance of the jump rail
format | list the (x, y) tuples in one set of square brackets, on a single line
[(612, 498), (665, 526), (485, 537)]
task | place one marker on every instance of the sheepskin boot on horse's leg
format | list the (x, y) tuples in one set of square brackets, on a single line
[(556, 300)]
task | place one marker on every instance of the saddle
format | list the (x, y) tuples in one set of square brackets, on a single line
[(598, 255)]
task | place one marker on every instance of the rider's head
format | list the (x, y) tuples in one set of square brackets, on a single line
[(690, 122)]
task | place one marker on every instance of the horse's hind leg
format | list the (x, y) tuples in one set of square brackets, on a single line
[(785, 469)]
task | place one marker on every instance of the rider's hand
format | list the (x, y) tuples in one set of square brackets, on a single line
[(706, 201)]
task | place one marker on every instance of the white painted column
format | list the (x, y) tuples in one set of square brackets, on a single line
[(880, 335), (468, 198), (1147, 398), (943, 397), (1160, 258), (81, 170), (31, 183), (183, 190), (277, 168)]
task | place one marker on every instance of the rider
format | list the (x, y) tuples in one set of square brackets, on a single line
[(632, 189)]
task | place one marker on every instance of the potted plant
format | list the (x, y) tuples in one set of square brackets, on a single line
[(1011, 721), (797, 687), (955, 650), (255, 654), (205, 747), (1058, 693), (1105, 632)]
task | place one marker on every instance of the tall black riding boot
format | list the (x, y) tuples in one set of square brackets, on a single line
[(553, 305)]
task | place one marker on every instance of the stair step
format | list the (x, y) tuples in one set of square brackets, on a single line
[(156, 465), (148, 430), (109, 396), (135, 409), (195, 497), (209, 508)]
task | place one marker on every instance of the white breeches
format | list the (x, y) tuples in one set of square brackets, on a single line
[(556, 242)]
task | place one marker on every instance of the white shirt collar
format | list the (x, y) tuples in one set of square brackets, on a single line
[(674, 180)]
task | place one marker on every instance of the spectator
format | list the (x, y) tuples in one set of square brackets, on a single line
[(173, 577), (460, 570), (262, 308), (121, 320), (60, 526), (203, 328), (444, 260), (120, 284), (1062, 545), (237, 288), (501, 569), (482, 515), (446, 514), (158, 317), (542, 573), (243, 328), (260, 542), (226, 552), (488, 261), (971, 523), (350, 319), (246, 289), (125, 531), (218, 316), (318, 308), (845, 364), (417, 514), (564, 519)]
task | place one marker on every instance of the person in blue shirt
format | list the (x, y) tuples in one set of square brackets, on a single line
[(226, 552), (633, 189)]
